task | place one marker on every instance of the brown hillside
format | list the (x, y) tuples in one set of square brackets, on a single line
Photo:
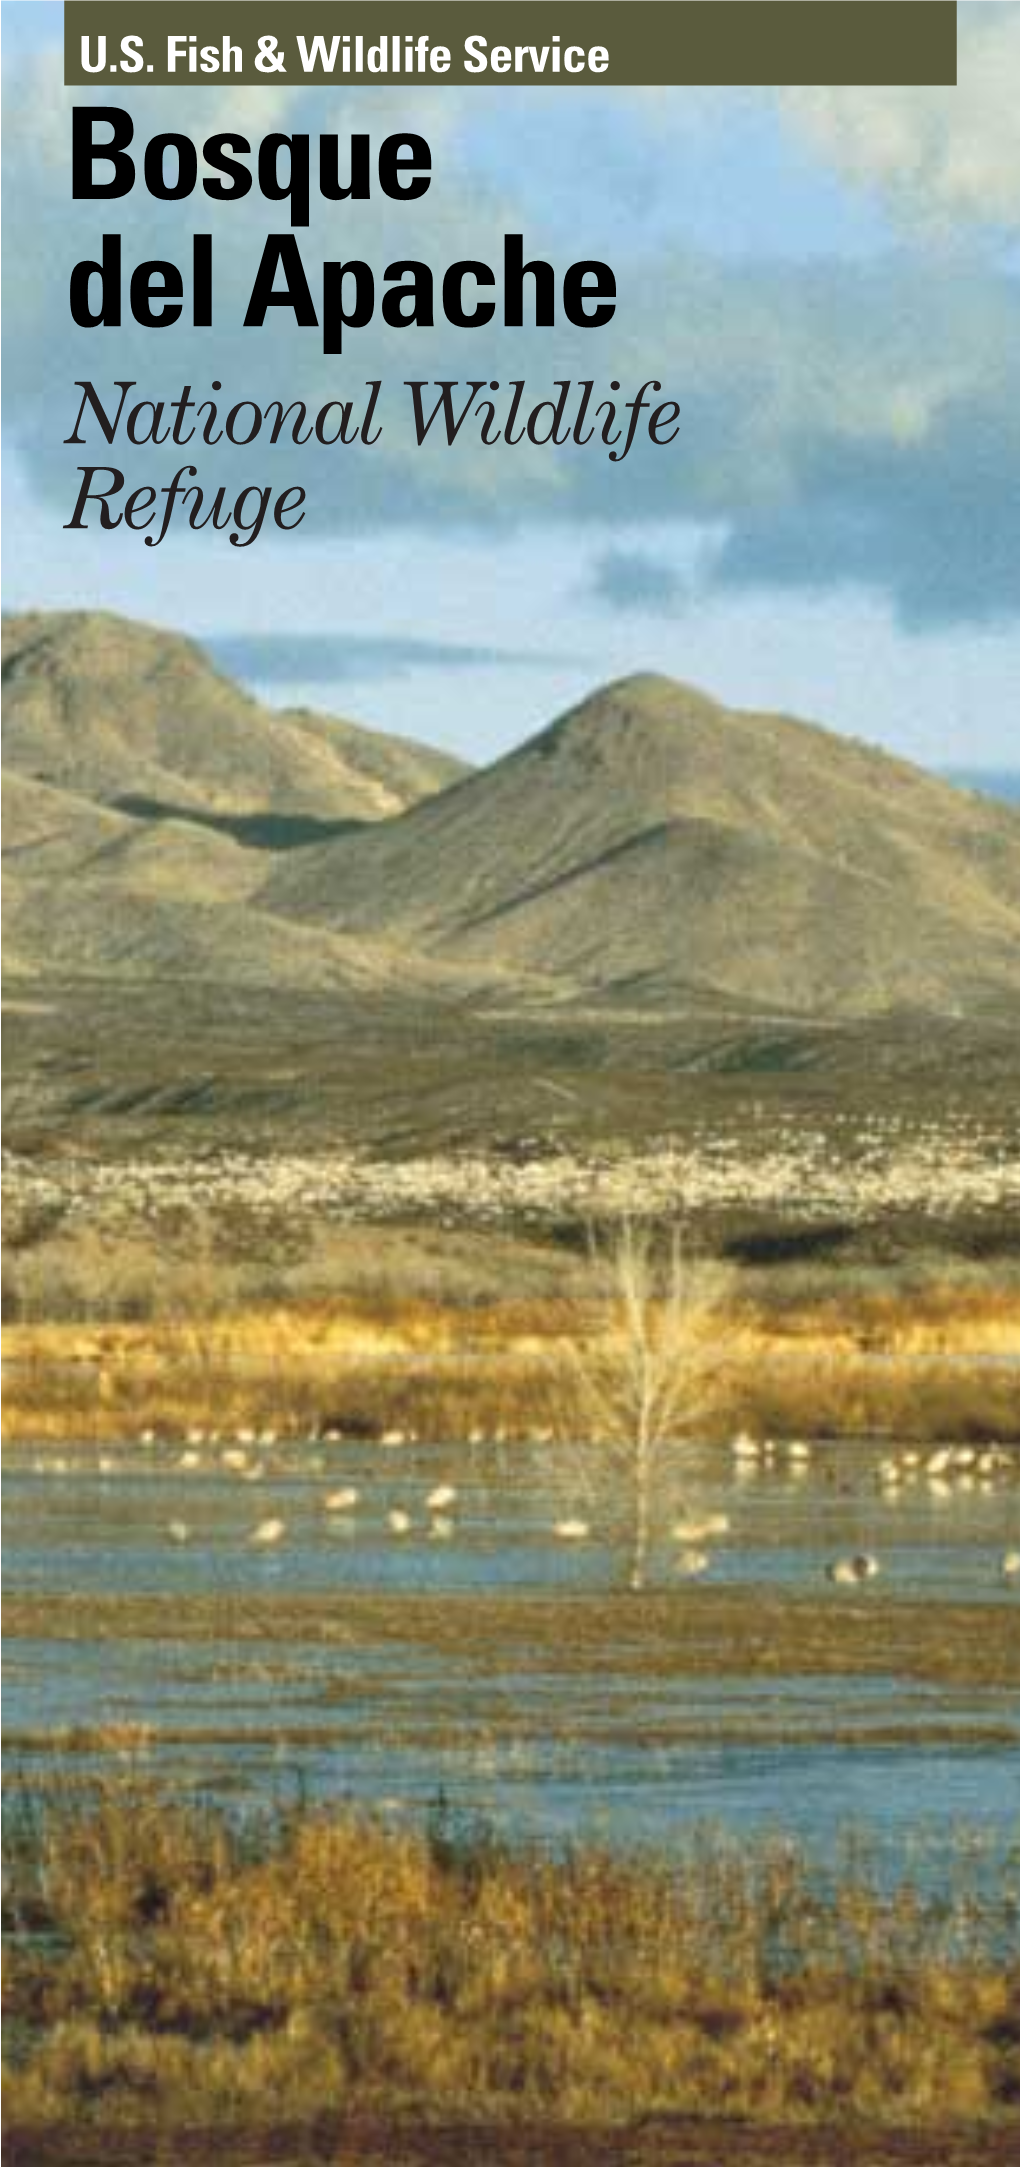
[(121, 712), (653, 841)]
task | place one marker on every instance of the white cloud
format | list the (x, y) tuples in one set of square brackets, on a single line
[(939, 155)]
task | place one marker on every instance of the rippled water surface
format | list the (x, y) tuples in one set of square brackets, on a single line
[(550, 1747)]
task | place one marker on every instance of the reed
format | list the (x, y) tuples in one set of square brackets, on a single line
[(498, 1369), (172, 1965)]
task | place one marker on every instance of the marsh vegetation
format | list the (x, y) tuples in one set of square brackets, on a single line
[(394, 1818), (170, 1965)]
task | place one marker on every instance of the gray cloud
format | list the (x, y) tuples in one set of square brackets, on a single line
[(322, 658), (942, 529), (630, 579)]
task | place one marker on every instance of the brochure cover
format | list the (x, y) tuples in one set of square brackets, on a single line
[(512, 1249)]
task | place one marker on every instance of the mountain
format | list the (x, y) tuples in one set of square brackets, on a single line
[(140, 720), (143, 794), (50, 832), (159, 934), (651, 854), (655, 847)]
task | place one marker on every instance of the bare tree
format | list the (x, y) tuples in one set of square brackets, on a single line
[(636, 1390)]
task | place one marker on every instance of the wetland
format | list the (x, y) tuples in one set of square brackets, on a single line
[(355, 1805)]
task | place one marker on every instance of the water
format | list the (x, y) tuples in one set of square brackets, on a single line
[(550, 1747)]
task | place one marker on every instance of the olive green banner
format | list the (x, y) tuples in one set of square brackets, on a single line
[(127, 44)]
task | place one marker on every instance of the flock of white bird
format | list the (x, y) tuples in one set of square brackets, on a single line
[(339, 1505), (944, 1471)]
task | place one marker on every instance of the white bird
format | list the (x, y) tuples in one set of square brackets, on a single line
[(235, 1458), (690, 1531), (692, 1562), (1010, 1565), (798, 1451), (195, 1436), (938, 1462), (745, 1447), (190, 1459), (850, 1572), (697, 1531), (340, 1500), (398, 1521), (443, 1495), (179, 1531), (268, 1532), (571, 1530), (441, 1527), (393, 1437)]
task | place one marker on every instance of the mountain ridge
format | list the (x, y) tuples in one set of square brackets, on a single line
[(650, 849), (90, 698), (652, 829)]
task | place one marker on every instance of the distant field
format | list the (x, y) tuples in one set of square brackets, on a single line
[(423, 1240), (109, 1069)]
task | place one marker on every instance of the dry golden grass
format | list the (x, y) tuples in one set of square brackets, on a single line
[(940, 1317), (167, 1967), (912, 1366)]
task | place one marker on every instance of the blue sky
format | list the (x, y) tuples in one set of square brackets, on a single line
[(824, 280)]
